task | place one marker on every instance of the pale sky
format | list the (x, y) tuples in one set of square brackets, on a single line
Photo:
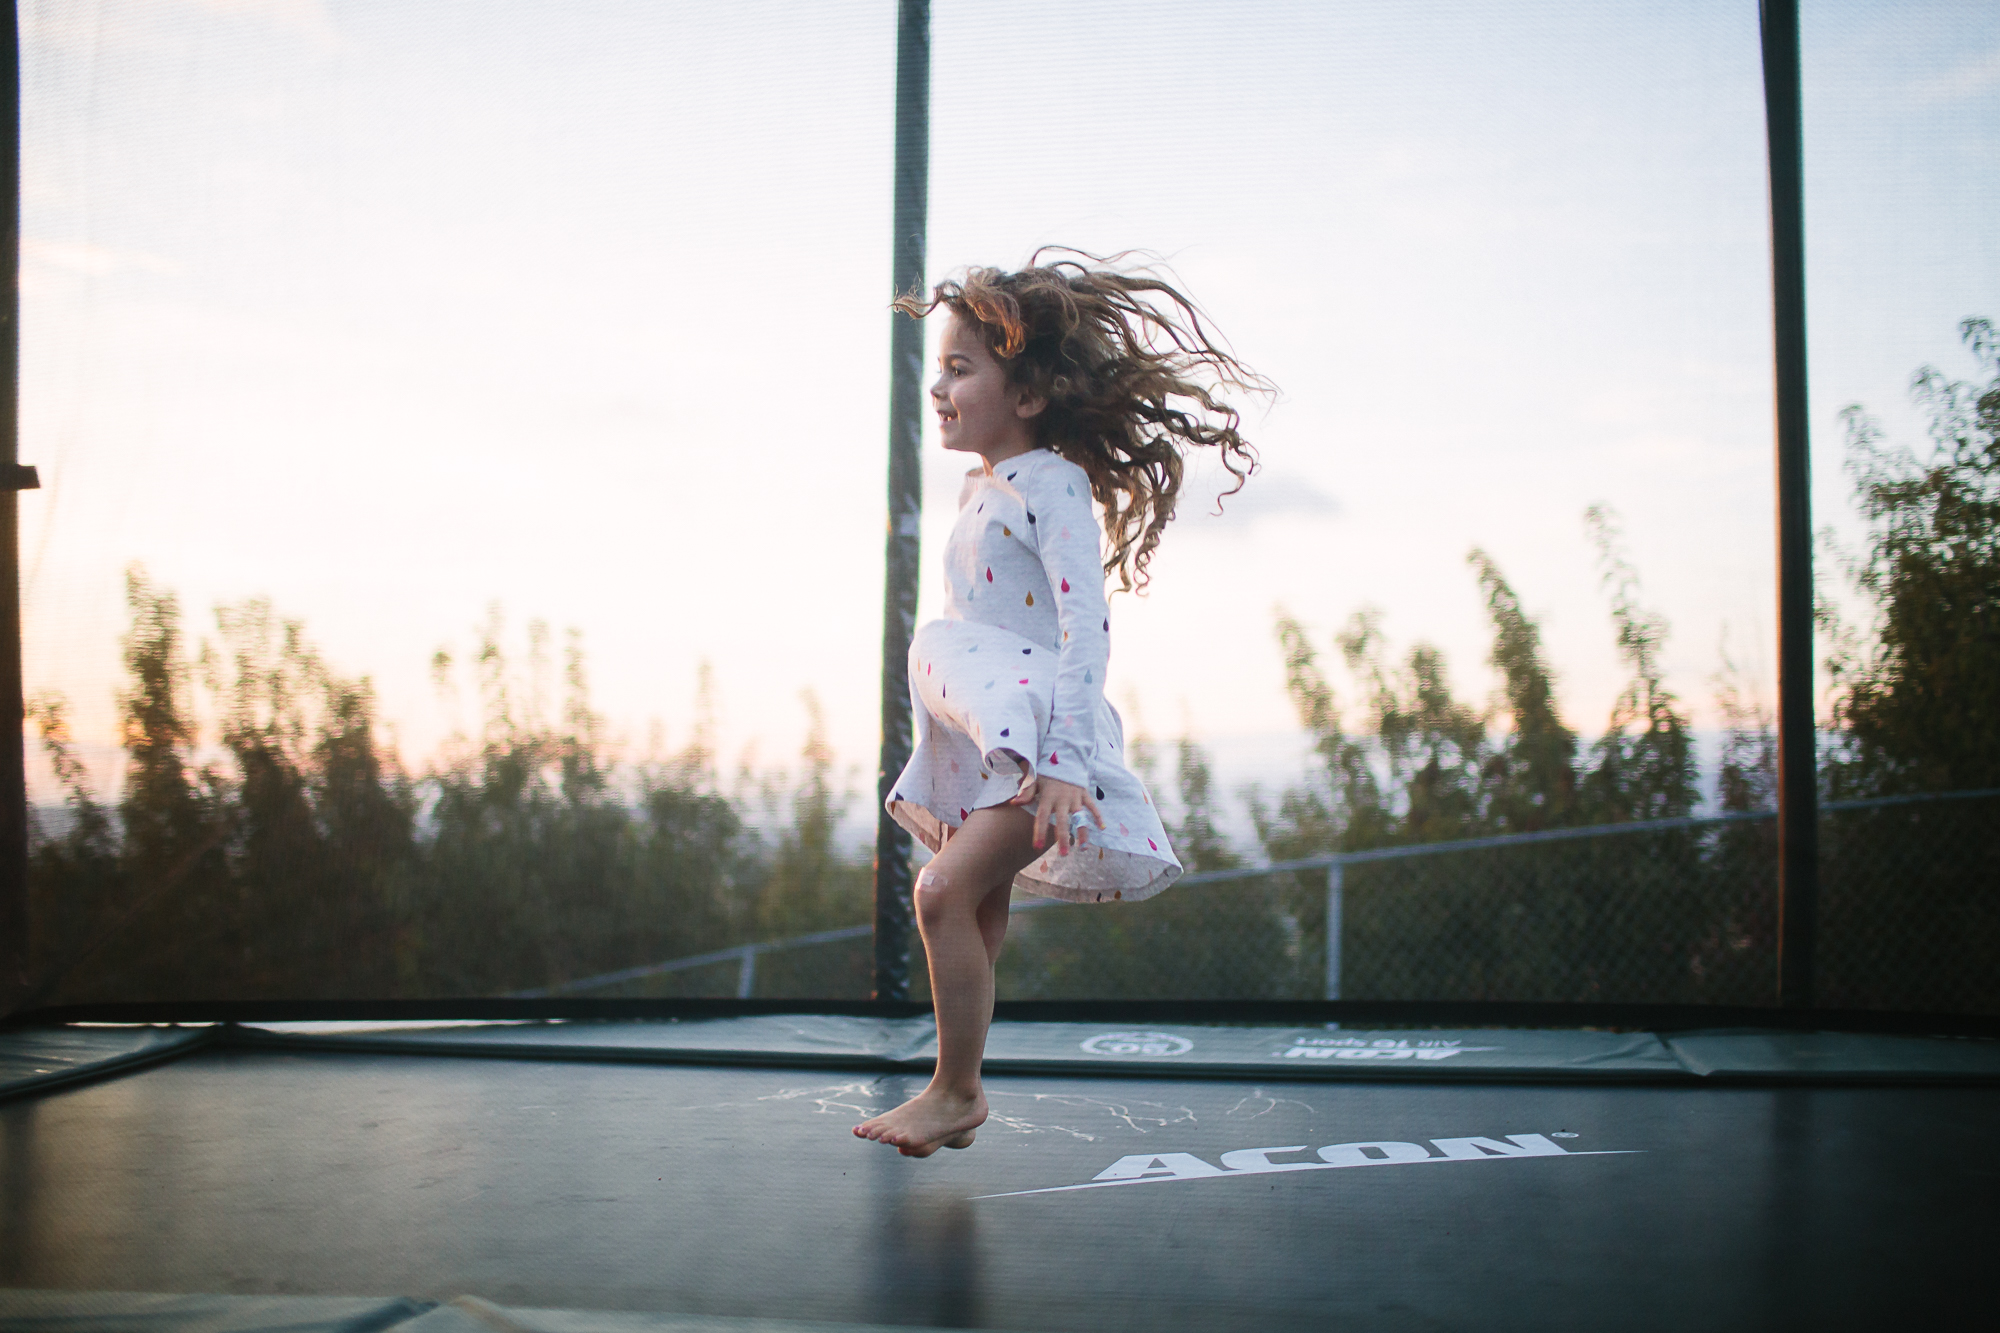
[(393, 312)]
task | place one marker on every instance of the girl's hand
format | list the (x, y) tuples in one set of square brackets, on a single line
[(1055, 802)]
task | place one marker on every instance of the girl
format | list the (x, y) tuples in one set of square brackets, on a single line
[(1071, 382)]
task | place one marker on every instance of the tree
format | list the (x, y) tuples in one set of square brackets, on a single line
[(1531, 781), (1643, 765), (1917, 703)]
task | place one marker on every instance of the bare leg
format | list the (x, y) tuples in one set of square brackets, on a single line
[(961, 901)]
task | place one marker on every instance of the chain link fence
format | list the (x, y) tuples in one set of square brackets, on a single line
[(1670, 911)]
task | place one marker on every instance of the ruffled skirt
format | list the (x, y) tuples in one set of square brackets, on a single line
[(980, 704)]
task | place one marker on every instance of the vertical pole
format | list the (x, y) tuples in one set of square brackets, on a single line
[(1798, 796), (1334, 910), (899, 584), (13, 756)]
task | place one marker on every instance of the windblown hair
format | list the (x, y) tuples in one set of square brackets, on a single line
[(1125, 364)]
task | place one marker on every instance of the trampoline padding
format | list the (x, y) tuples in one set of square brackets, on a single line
[(157, 1312), (910, 1045), (36, 1059), (1844, 1056), (154, 1312)]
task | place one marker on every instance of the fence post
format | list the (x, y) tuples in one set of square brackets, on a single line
[(1334, 906), (746, 978)]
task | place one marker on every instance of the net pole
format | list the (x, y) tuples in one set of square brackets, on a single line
[(13, 762), (1798, 795), (900, 573)]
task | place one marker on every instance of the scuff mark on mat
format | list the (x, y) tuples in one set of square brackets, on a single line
[(1142, 1117), (826, 1098), (1260, 1103)]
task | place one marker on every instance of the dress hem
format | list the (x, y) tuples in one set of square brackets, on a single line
[(927, 827)]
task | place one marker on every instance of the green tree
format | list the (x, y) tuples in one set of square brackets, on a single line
[(1530, 781), (1643, 766), (1917, 704)]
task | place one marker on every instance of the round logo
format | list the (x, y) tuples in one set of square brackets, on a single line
[(1138, 1043)]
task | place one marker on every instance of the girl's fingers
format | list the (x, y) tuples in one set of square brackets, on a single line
[(1058, 817), (1095, 813)]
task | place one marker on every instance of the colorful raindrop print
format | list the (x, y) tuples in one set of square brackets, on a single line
[(1031, 518), (1031, 599), (1006, 531), (989, 573), (1065, 585)]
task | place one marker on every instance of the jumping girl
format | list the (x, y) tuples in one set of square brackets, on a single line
[(1071, 382)]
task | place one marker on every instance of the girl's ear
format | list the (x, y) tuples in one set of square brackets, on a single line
[(1029, 404)]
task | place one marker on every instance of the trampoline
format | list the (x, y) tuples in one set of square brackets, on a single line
[(696, 1172), (564, 1165)]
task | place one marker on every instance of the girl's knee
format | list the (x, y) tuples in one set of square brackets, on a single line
[(932, 894)]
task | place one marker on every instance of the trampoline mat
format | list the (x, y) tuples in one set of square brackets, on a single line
[(1088, 1203)]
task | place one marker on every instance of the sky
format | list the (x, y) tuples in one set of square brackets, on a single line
[(404, 316)]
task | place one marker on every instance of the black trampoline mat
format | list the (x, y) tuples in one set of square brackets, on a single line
[(717, 1190)]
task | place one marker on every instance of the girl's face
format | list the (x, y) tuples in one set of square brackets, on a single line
[(978, 413)]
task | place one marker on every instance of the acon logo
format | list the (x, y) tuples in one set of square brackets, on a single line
[(1161, 1168), (1382, 1048), (1138, 1043)]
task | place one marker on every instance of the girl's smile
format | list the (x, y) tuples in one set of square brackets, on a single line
[(978, 411)]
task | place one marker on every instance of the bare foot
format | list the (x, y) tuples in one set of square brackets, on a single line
[(930, 1120), (955, 1141)]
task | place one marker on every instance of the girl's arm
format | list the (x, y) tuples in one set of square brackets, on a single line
[(1065, 532)]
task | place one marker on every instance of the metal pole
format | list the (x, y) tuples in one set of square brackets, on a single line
[(1334, 911), (13, 755), (1798, 795), (899, 585)]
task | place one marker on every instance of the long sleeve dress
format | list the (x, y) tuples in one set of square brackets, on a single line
[(1015, 672)]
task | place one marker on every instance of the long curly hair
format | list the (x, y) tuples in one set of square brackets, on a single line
[(1126, 364)]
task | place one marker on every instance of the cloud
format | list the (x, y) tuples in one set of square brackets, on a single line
[(91, 260), (1266, 496), (1974, 78), (308, 17), (155, 26)]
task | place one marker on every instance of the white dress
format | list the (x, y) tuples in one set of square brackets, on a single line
[(1016, 668)]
